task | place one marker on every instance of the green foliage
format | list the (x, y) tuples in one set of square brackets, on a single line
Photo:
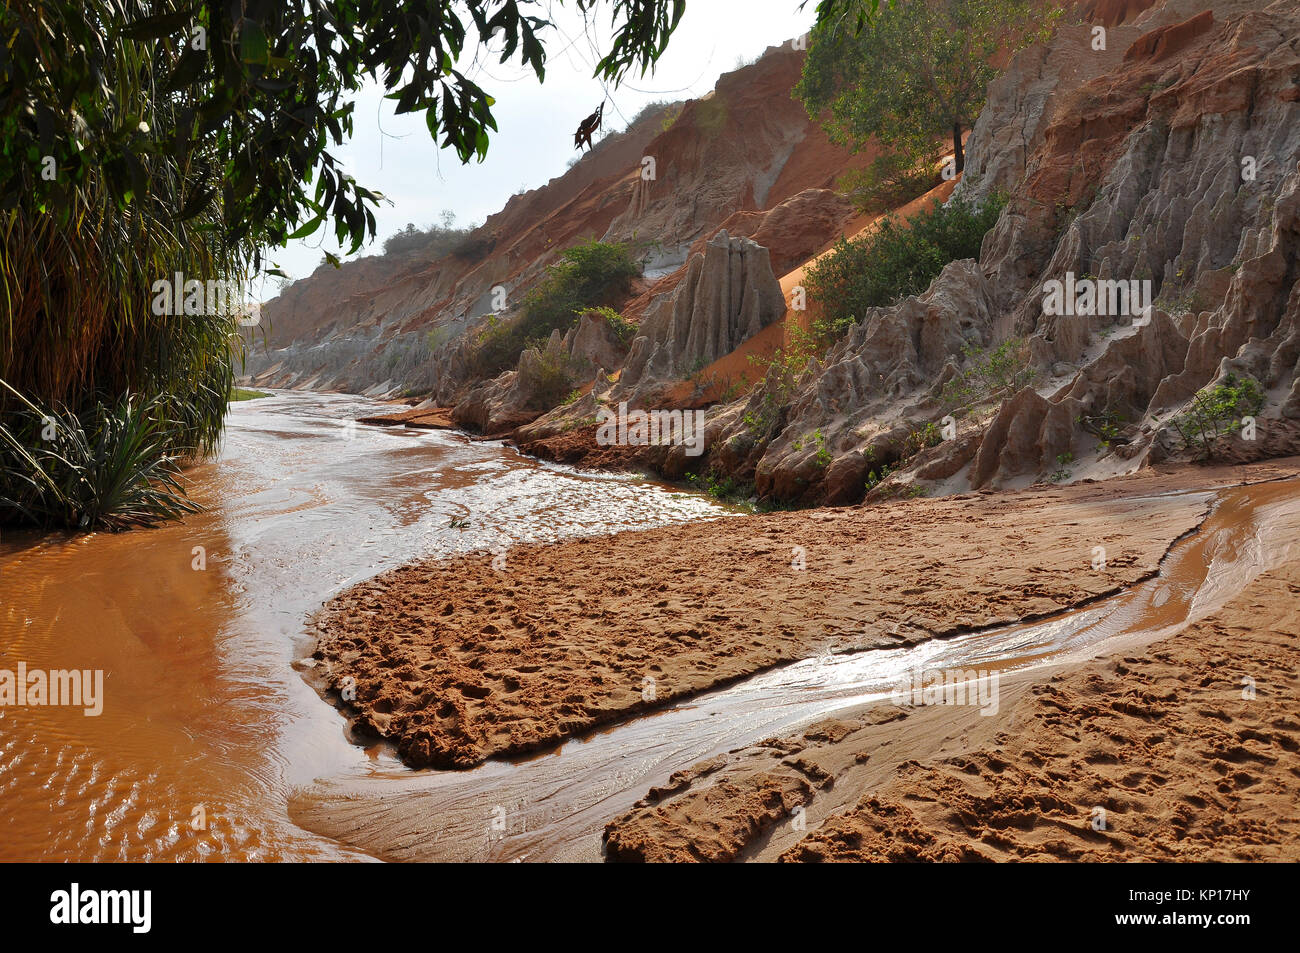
[(724, 488), (139, 140), (1217, 411), (585, 278), (781, 374), (922, 439), (662, 110), (554, 381), (823, 456), (239, 393), (1062, 471), (624, 330), (912, 71), (898, 258), (251, 98), (110, 468), (992, 375), (877, 477), (430, 242), (893, 178), (1106, 426), (739, 493)]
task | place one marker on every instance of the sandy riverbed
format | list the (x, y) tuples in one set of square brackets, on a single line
[(460, 661)]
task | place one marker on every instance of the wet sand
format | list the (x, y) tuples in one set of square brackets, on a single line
[(1178, 748), (963, 563), (1184, 762), (207, 729), (457, 661)]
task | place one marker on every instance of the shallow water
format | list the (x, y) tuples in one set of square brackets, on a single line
[(554, 806), (207, 730), (209, 738)]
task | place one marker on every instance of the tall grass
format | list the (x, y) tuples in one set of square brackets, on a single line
[(110, 467), (77, 330)]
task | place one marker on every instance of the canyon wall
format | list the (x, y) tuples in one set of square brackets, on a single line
[(1148, 144)]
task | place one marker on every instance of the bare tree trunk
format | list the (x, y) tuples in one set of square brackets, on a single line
[(959, 156)]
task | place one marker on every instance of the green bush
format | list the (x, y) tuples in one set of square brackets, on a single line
[(781, 373), (898, 258), (554, 379), (1217, 411), (893, 178), (993, 375), (432, 241), (586, 277), (112, 467), (623, 329)]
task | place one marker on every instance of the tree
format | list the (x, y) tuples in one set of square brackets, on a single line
[(251, 98), (141, 140), (911, 71)]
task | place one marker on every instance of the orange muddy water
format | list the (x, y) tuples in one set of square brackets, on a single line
[(207, 729), (210, 741)]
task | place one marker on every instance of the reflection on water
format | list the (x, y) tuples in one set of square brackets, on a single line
[(207, 730)]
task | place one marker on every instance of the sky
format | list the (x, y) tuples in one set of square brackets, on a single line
[(396, 156)]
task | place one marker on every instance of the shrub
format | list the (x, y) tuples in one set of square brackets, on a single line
[(892, 179), (781, 374), (554, 379), (993, 375), (722, 487), (111, 467), (586, 277), (922, 439), (475, 246), (623, 329), (432, 241), (898, 258), (1217, 411)]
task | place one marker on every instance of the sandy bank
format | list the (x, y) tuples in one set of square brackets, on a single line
[(457, 661), (1186, 748)]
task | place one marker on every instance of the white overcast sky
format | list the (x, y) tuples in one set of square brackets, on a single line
[(534, 141)]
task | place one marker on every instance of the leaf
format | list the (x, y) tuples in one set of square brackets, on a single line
[(308, 227), (253, 46), (196, 203), (158, 26)]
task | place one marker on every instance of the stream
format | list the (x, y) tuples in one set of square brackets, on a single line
[(209, 737)]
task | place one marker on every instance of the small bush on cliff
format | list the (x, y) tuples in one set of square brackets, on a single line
[(892, 179), (898, 258), (554, 380), (433, 241), (781, 373), (586, 277), (992, 375), (623, 329), (1216, 412)]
